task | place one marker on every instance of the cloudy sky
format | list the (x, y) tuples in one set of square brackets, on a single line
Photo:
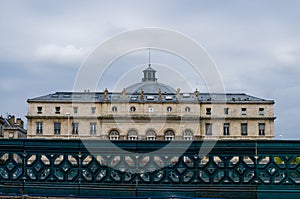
[(254, 44)]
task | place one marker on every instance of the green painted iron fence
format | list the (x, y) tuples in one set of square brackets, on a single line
[(231, 169)]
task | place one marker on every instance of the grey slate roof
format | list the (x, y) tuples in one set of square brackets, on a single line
[(150, 87), (149, 97)]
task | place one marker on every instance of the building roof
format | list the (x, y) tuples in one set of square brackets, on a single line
[(149, 97), (150, 87), (149, 90)]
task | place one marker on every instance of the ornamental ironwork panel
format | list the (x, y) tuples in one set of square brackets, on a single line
[(251, 169)]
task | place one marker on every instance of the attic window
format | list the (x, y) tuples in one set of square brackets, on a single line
[(261, 111), (57, 110), (150, 97), (54, 96), (115, 98), (169, 97), (67, 95), (39, 109), (244, 111), (77, 96), (208, 111), (133, 98), (186, 95)]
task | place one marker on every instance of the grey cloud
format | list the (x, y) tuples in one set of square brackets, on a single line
[(255, 49)]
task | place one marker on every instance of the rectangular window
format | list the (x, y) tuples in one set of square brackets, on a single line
[(208, 129), (39, 128), (261, 128), (39, 109), (261, 111), (57, 110), (75, 128), (75, 109), (244, 129), (226, 129), (226, 111), (56, 127), (244, 111), (93, 128), (93, 110), (208, 111)]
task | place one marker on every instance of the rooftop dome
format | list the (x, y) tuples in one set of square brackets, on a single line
[(149, 84)]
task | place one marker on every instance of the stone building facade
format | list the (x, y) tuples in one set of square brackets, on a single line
[(12, 127), (150, 110)]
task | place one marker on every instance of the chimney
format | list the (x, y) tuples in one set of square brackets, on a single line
[(20, 122), (11, 120)]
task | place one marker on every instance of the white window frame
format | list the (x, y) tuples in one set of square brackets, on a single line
[(150, 135), (75, 128), (261, 129), (188, 135), (39, 127), (114, 135), (208, 129), (169, 135), (244, 132), (132, 135), (226, 129), (93, 128)]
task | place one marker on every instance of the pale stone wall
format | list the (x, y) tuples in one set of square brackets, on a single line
[(159, 120)]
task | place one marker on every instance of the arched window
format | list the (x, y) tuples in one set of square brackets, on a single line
[(151, 135), (132, 109), (114, 109), (132, 135), (114, 135), (169, 109), (187, 109), (169, 135), (150, 109), (187, 135)]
